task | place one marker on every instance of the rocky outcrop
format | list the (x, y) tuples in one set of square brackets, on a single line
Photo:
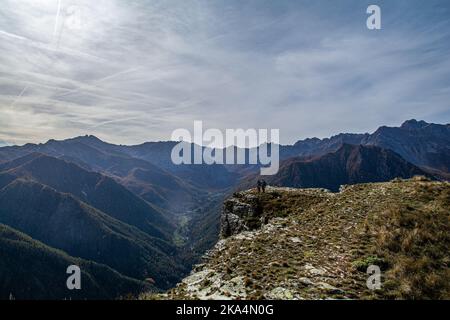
[(245, 211), (238, 216)]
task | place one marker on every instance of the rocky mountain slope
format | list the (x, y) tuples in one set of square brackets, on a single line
[(418, 142), (314, 244), (423, 144), (350, 164), (95, 189)]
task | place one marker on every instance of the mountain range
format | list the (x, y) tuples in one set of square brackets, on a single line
[(129, 210), (350, 164)]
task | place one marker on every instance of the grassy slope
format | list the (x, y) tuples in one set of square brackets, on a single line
[(321, 244)]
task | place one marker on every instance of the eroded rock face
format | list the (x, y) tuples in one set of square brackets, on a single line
[(238, 216)]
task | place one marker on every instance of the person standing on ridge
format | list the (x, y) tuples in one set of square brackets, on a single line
[(258, 185), (263, 186)]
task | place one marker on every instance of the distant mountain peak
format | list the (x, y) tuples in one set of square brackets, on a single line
[(88, 137), (413, 124)]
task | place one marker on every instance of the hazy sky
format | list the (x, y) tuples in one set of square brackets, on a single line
[(133, 71)]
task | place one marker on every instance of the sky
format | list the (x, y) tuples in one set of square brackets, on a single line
[(130, 71)]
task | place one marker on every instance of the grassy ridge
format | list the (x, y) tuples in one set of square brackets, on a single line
[(318, 245)]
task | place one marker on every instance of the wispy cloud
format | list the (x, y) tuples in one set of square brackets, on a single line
[(133, 71)]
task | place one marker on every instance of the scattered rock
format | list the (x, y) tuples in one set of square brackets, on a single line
[(314, 271), (296, 239), (329, 288), (280, 293), (196, 278), (306, 281)]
